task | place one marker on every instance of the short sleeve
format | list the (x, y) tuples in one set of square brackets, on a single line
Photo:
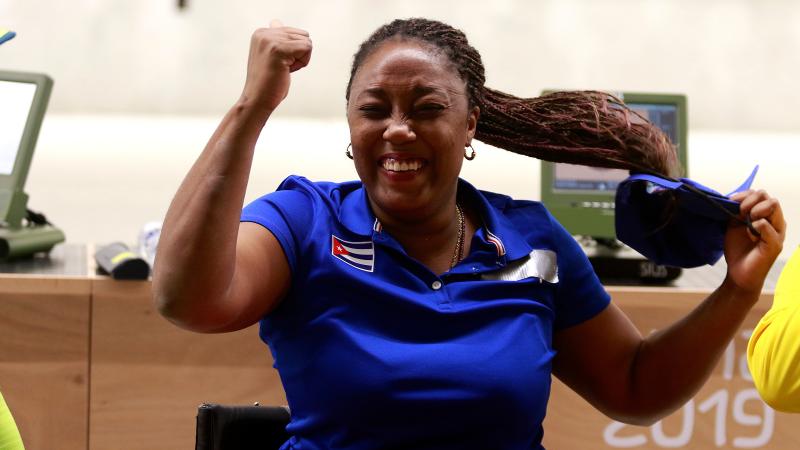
[(580, 295), (287, 213), (773, 352)]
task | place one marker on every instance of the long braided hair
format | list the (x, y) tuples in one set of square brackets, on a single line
[(579, 127)]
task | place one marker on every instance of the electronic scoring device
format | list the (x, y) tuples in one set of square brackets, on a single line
[(23, 102)]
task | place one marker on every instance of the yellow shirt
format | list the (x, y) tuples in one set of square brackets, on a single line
[(773, 352)]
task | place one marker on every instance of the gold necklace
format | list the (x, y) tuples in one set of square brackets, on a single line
[(458, 252)]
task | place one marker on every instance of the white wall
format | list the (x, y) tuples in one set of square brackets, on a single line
[(139, 87), (738, 60), (101, 178)]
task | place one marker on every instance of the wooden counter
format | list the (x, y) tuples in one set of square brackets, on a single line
[(149, 376), (727, 412), (87, 363), (44, 354)]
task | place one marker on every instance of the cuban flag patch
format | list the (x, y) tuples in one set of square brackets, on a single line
[(360, 255)]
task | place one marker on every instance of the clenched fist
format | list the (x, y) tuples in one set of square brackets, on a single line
[(275, 52)]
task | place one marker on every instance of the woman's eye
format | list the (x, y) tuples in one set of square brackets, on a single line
[(371, 110), (429, 109)]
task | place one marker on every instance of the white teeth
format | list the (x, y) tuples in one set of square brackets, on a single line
[(402, 166)]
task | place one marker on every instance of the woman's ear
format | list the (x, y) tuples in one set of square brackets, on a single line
[(472, 123)]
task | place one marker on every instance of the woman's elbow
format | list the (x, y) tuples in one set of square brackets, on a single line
[(178, 309), (165, 299), (170, 308), (166, 306), (190, 319)]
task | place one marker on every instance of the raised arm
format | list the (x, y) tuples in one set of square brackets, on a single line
[(212, 273), (640, 380)]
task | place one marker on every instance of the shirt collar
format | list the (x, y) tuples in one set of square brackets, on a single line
[(355, 213), (497, 231)]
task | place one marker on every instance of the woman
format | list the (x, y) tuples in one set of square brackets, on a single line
[(409, 310)]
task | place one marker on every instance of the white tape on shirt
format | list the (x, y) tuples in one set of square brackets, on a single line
[(542, 264)]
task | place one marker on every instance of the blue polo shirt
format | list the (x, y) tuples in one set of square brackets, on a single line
[(375, 351)]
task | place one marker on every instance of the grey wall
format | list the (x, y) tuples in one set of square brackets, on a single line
[(737, 60)]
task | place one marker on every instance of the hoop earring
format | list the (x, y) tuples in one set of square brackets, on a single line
[(347, 152), (472, 155)]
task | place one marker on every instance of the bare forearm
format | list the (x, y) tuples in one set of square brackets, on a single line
[(197, 248), (672, 364), (202, 280)]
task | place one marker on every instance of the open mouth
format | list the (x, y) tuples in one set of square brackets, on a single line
[(402, 165)]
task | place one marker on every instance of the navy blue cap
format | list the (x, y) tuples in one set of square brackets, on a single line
[(675, 222)]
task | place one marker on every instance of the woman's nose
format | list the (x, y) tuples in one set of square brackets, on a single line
[(399, 131)]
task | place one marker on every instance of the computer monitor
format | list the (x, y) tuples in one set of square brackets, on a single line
[(581, 198), (23, 101)]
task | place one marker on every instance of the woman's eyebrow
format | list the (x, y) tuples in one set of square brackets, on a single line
[(425, 90), (373, 91), (380, 91)]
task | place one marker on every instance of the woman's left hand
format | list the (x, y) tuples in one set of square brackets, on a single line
[(750, 257)]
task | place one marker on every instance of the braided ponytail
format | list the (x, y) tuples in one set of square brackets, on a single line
[(578, 127)]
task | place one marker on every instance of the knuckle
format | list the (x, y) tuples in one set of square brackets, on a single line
[(261, 41), (258, 34)]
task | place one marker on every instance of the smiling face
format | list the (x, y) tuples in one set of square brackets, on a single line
[(410, 120)]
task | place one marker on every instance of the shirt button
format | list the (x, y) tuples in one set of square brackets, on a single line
[(436, 285)]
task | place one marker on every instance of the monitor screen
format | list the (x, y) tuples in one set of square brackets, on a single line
[(582, 198), (17, 99), (23, 101)]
